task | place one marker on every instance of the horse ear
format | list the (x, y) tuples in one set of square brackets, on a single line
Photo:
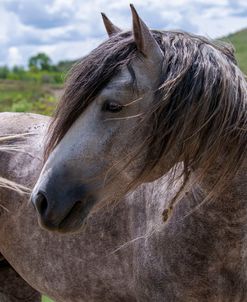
[(145, 42), (109, 26)]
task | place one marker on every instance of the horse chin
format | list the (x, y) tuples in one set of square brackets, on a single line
[(72, 227), (67, 227)]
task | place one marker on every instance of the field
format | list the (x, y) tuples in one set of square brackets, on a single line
[(28, 96)]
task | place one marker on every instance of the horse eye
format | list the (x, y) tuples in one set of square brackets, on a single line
[(112, 106)]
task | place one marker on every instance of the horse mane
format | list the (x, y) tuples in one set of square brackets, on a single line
[(6, 147), (199, 111)]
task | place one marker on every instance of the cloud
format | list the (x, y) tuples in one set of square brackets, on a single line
[(14, 56), (68, 29), (38, 14)]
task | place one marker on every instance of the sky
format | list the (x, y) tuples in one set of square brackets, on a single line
[(69, 29)]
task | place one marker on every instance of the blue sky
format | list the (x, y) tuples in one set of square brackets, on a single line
[(68, 29)]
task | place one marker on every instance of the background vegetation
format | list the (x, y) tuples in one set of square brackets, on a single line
[(34, 89), (37, 88), (239, 41)]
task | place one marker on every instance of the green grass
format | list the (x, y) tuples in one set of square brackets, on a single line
[(26, 96), (45, 299), (239, 40)]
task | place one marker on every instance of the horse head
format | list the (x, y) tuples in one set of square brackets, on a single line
[(136, 106), (91, 161)]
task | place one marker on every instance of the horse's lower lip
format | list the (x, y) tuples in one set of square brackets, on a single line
[(73, 220), (76, 218)]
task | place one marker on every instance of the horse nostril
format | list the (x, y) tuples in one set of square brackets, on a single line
[(41, 203)]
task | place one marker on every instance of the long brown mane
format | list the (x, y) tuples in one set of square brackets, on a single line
[(199, 111)]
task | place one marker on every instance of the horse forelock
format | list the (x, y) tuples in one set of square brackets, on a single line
[(201, 102), (85, 80)]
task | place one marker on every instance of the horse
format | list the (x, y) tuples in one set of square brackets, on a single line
[(139, 179)]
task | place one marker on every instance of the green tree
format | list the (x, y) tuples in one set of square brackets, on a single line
[(4, 71), (64, 66), (18, 69), (18, 73), (39, 62)]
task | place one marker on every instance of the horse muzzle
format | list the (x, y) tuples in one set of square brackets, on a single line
[(61, 202)]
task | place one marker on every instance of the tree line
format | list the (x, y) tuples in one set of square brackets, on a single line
[(40, 69)]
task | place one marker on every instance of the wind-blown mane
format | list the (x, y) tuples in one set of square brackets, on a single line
[(6, 147), (200, 109)]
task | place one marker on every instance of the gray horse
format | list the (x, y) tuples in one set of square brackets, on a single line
[(143, 189)]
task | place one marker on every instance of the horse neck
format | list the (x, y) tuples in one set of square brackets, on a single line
[(227, 210), (234, 190)]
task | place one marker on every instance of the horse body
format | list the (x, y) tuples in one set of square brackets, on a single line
[(69, 255), (126, 252)]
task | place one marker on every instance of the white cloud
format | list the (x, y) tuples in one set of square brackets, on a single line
[(14, 56), (61, 6), (217, 27), (73, 50), (67, 29)]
